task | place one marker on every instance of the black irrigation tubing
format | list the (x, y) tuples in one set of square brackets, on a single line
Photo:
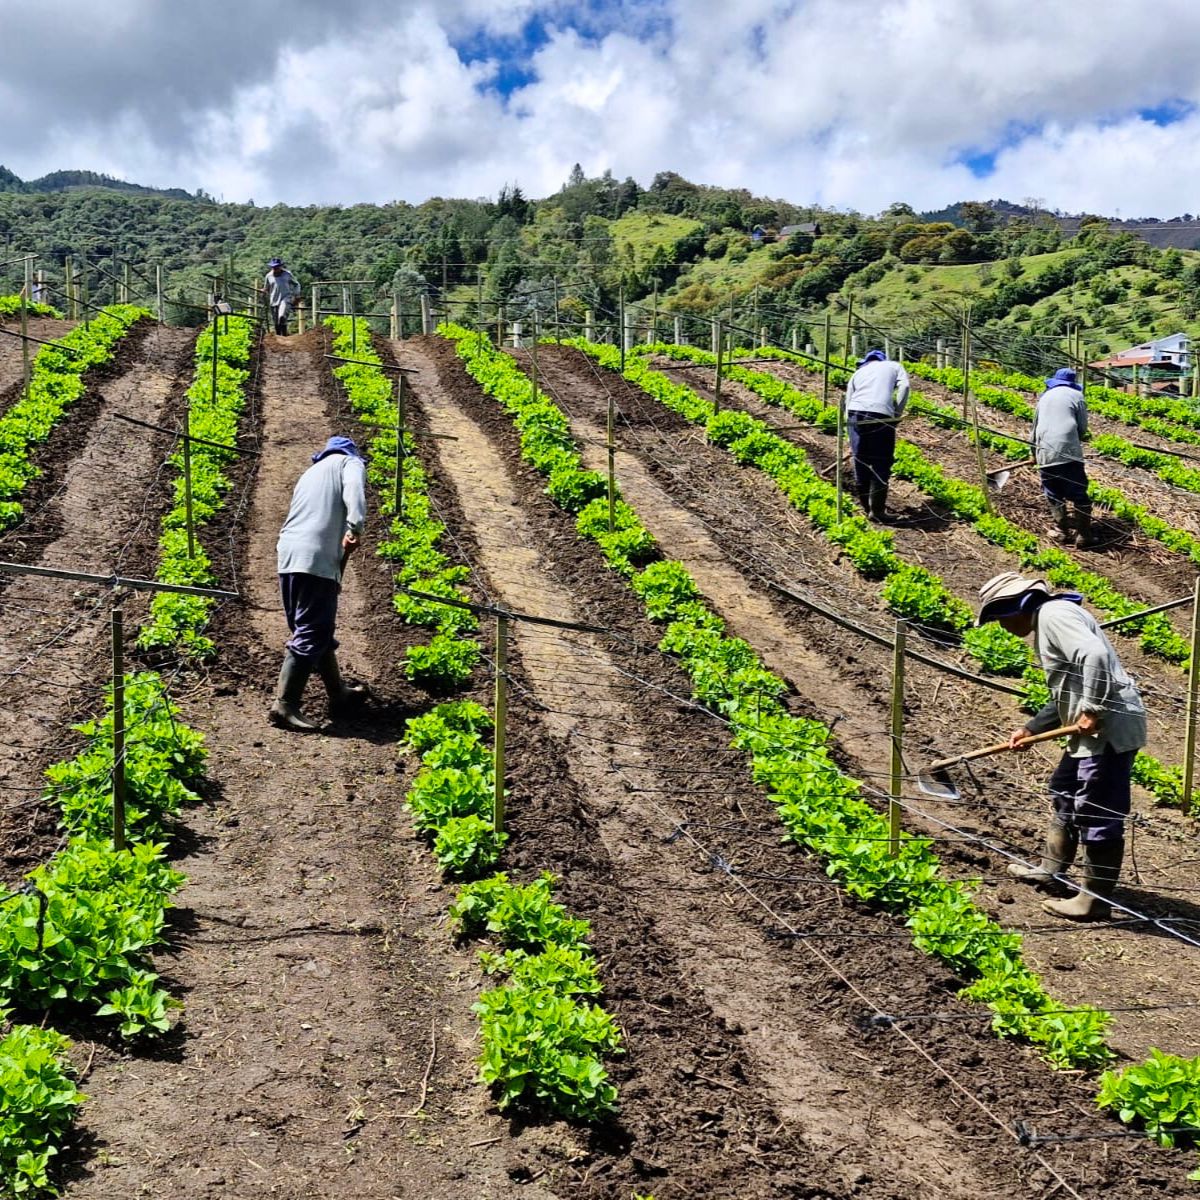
[(179, 433), (891, 1018)]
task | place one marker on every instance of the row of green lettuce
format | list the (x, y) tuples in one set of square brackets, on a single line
[(825, 812), (10, 306), (177, 622), (910, 591), (80, 931), (1167, 467), (55, 384), (1113, 499), (78, 935), (544, 1036)]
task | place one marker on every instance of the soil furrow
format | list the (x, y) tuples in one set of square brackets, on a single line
[(308, 950), (777, 1001), (695, 500), (54, 633), (12, 361)]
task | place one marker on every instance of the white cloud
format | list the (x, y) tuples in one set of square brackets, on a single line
[(849, 102)]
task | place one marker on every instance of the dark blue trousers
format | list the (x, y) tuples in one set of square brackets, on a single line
[(1092, 794), (310, 602), (1066, 481), (873, 445)]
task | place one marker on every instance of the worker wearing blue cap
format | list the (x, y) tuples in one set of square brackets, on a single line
[(1060, 423), (282, 290), (324, 523)]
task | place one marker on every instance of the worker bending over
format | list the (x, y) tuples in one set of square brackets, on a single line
[(1090, 787), (323, 527), (1060, 424), (875, 400)]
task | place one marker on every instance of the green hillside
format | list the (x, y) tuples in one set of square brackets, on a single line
[(703, 251)]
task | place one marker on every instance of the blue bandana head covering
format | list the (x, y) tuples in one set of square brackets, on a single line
[(337, 445), (275, 262), (872, 356), (1063, 377)]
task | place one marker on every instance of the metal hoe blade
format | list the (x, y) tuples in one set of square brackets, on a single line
[(937, 784), (997, 481)]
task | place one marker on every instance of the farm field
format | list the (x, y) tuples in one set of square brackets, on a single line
[(780, 1032)]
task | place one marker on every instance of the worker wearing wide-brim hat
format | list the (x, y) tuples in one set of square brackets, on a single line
[(1090, 787)]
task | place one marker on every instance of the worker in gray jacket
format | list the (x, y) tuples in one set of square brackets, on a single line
[(323, 527), (875, 400), (1060, 423), (281, 289), (1089, 689)]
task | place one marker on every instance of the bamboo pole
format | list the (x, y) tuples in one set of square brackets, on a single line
[(839, 472), (621, 323), (69, 286), (353, 297), (500, 718), (158, 292), (118, 683), (897, 763), (825, 356), (25, 368), (982, 466), (1189, 747), (966, 360)]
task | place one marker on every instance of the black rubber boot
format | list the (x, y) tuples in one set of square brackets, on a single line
[(285, 712), (1101, 870), (1061, 531), (1083, 526), (864, 497), (1057, 856), (342, 696), (877, 507)]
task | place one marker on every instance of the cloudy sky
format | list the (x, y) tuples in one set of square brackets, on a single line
[(1082, 104)]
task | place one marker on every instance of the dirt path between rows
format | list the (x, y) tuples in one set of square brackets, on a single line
[(320, 989), (670, 807), (730, 526), (54, 633)]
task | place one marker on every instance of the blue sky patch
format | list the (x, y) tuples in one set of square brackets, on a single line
[(1167, 113)]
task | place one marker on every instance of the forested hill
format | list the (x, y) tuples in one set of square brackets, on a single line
[(698, 248), (61, 181)]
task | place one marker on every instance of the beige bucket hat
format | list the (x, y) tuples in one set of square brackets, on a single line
[(1001, 595)]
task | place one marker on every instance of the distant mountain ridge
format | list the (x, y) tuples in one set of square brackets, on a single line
[(65, 181)]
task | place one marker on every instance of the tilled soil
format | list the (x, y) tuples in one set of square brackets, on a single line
[(704, 844), (93, 505), (12, 361), (732, 529), (327, 1048)]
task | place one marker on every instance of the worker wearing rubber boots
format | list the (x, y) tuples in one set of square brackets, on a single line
[(875, 399), (323, 527), (1090, 787), (282, 289), (1059, 426)]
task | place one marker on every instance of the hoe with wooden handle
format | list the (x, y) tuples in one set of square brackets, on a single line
[(935, 779)]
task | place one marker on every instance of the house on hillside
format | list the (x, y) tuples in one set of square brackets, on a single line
[(1158, 362), (812, 227)]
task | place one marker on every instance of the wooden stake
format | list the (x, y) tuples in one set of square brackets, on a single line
[(897, 765), (499, 719), (158, 290), (69, 287), (966, 359), (1189, 746), (187, 486), (621, 321), (118, 682), (612, 467), (983, 479), (353, 320), (401, 422), (825, 365), (25, 343), (839, 480), (717, 377)]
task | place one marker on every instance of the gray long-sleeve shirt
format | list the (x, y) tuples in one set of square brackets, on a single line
[(871, 387), (329, 501), (281, 289), (1059, 426), (1085, 675)]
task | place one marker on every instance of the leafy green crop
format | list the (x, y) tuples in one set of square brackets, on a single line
[(177, 622), (821, 808), (1162, 1095), (38, 1102)]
